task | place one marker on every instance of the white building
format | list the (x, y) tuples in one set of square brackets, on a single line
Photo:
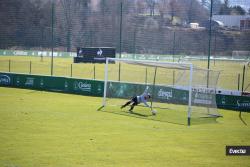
[(234, 21)]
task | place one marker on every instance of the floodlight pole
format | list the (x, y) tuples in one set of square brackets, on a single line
[(174, 46), (210, 34), (190, 94), (120, 54), (52, 36)]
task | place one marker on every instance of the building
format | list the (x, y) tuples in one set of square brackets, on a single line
[(241, 22)]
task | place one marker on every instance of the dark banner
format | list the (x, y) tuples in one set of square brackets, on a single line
[(237, 150), (240, 103), (94, 55)]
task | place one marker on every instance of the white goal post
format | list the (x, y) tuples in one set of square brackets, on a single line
[(122, 76)]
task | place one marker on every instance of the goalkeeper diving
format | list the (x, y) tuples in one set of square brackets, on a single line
[(143, 98)]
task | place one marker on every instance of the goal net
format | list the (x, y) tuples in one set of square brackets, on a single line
[(241, 54), (179, 92)]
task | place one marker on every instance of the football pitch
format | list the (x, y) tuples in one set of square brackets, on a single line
[(229, 70), (53, 129)]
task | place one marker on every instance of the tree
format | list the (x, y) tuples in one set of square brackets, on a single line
[(205, 3), (237, 10), (194, 11), (67, 8), (228, 10), (216, 6), (151, 4), (174, 7), (225, 9)]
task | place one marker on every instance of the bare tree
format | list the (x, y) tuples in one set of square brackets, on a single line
[(151, 4), (67, 8)]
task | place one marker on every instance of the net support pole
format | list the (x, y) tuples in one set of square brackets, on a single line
[(105, 83), (243, 78), (153, 91), (190, 94)]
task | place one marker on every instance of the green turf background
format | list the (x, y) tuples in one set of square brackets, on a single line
[(229, 70), (53, 129)]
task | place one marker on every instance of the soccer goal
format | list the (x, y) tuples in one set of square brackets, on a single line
[(179, 92), (241, 54)]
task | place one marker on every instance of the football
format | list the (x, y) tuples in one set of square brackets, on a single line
[(154, 112)]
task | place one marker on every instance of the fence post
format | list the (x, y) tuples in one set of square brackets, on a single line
[(9, 65), (94, 71), (238, 81), (71, 70), (30, 67), (173, 77)]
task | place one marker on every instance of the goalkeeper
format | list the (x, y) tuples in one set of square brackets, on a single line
[(138, 99)]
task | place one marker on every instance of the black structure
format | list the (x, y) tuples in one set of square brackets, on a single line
[(94, 55)]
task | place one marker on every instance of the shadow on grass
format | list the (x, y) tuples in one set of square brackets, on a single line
[(204, 120), (165, 118), (138, 115)]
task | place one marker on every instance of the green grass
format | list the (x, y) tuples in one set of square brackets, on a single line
[(53, 129), (62, 67)]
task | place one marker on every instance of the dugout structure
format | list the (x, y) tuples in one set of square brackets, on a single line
[(180, 92)]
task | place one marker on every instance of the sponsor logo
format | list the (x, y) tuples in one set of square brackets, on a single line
[(41, 83), (243, 104), (99, 52), (83, 86), (99, 88), (201, 98), (17, 81), (165, 94), (20, 52), (66, 85), (4, 80), (223, 100), (29, 81), (204, 90), (237, 150)]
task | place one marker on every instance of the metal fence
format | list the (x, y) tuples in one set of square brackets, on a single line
[(176, 28), (188, 27), (60, 68)]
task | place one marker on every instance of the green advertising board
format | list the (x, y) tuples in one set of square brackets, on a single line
[(50, 83), (35, 53), (116, 90), (159, 93), (239, 103)]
